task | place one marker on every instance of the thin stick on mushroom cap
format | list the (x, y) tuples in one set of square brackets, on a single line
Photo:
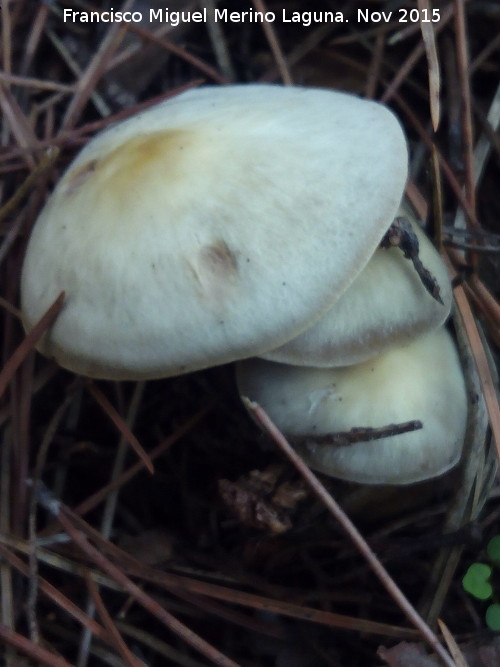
[(386, 305), (421, 381), (212, 227)]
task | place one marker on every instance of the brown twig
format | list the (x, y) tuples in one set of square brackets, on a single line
[(489, 305), (52, 593), (63, 515), (29, 648), (373, 74), (31, 603), (179, 585), (37, 84), (274, 44), (120, 424), (413, 58), (29, 342), (319, 490), (445, 167), (47, 161), (115, 636), (401, 235), (463, 75), (477, 240), (359, 434), (34, 37), (77, 136), (87, 82), (95, 499), (483, 368), (429, 40), (19, 125), (180, 52)]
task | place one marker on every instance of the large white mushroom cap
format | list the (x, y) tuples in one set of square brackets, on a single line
[(420, 381), (212, 227), (386, 305)]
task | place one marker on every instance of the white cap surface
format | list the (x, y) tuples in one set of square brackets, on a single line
[(212, 227), (420, 381), (386, 305)]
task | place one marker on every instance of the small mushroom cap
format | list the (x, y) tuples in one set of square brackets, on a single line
[(386, 305), (212, 227), (420, 381)]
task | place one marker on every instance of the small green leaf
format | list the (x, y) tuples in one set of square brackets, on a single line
[(476, 581), (493, 617), (493, 549)]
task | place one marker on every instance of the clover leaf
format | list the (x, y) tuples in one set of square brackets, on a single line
[(493, 549), (476, 581), (493, 617)]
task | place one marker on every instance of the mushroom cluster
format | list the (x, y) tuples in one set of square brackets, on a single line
[(234, 222), (379, 359), (363, 404), (215, 226)]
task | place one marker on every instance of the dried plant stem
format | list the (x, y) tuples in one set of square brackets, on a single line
[(6, 33), (219, 44), (445, 167), (88, 81), (6, 583), (463, 75), (413, 59), (171, 655), (455, 651), (100, 496), (45, 163), (116, 638), (483, 148), (120, 424), (373, 74), (274, 44), (112, 497), (18, 125), (184, 586), (488, 385), (34, 37), (59, 45), (10, 206), (29, 648), (53, 594), (429, 39), (29, 343), (32, 597), (162, 615), (37, 84), (359, 434), (319, 490), (180, 52)]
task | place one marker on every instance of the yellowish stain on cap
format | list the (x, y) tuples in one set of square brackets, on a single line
[(130, 163)]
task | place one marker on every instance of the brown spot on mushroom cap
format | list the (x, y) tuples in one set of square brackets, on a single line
[(219, 259), (215, 269), (80, 175)]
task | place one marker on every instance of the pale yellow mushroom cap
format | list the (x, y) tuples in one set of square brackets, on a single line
[(420, 381), (212, 227), (386, 305)]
